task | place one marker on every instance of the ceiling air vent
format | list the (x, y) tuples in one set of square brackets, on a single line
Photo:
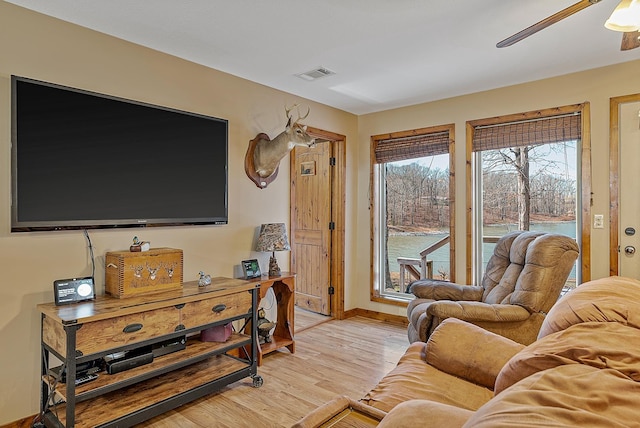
[(316, 73)]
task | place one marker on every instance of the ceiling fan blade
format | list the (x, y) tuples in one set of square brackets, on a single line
[(630, 40), (564, 13)]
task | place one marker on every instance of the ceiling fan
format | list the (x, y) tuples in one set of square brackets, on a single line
[(625, 18)]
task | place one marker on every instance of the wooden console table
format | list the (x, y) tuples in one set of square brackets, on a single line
[(89, 331), (284, 289)]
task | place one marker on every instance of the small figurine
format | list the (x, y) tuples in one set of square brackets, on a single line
[(204, 280), (264, 327), (135, 247), (138, 245)]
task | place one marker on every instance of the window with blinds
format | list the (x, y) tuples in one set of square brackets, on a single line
[(525, 177), (412, 209)]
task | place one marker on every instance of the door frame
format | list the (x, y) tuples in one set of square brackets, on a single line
[(614, 178), (338, 200)]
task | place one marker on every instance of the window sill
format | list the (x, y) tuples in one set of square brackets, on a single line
[(397, 301)]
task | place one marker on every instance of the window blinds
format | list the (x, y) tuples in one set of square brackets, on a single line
[(552, 129), (410, 147)]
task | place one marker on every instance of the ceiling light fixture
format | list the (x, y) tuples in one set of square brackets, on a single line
[(625, 17)]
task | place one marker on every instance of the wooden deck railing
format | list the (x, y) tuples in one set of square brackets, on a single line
[(413, 268)]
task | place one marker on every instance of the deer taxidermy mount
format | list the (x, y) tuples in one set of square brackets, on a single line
[(264, 155), (625, 19)]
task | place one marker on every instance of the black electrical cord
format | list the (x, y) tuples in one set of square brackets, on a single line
[(93, 261)]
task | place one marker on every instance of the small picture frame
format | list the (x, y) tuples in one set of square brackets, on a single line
[(251, 268), (308, 168)]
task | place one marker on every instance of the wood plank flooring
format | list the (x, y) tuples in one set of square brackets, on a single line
[(332, 358), (305, 319)]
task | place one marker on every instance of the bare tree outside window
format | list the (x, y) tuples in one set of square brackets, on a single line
[(529, 181)]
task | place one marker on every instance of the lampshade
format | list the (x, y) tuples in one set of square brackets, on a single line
[(625, 17), (273, 237)]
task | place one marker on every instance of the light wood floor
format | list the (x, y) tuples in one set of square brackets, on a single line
[(332, 358), (306, 319)]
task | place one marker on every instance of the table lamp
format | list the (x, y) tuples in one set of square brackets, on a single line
[(273, 237)]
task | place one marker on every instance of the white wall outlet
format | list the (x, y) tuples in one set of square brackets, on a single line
[(598, 221)]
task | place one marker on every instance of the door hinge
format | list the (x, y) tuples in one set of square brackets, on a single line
[(331, 290), (332, 161), (332, 225)]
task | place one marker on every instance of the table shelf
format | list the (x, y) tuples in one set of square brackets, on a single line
[(284, 287)]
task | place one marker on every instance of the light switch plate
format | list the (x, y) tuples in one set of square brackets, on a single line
[(598, 221)]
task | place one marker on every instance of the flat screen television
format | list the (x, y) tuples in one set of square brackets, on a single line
[(85, 160)]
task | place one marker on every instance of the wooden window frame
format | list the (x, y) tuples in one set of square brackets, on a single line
[(377, 156)]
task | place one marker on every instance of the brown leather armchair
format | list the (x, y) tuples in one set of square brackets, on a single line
[(522, 281)]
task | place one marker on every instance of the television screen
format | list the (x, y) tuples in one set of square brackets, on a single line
[(85, 160)]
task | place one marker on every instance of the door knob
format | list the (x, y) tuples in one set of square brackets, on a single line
[(629, 250)]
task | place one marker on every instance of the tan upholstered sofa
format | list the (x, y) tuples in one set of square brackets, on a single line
[(583, 371), (522, 280)]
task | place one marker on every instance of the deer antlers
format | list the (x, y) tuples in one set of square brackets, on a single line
[(297, 107)]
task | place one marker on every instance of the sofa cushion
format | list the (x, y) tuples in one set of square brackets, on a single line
[(424, 413), (413, 378), (612, 299), (569, 396), (594, 344), (469, 352)]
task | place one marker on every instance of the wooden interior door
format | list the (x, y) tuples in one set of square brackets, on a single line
[(629, 190), (310, 226)]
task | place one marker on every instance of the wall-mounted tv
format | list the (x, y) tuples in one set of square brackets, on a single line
[(85, 160)]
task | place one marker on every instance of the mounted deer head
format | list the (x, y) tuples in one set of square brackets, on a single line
[(268, 153)]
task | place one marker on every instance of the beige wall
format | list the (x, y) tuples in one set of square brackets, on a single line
[(43, 48), (595, 86)]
